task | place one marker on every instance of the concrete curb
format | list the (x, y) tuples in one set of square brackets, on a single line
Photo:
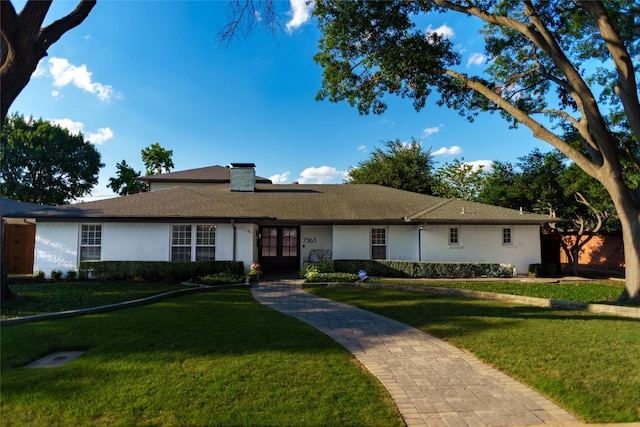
[(613, 310), (113, 307)]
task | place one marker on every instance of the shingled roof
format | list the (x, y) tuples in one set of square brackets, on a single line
[(290, 203), (209, 174)]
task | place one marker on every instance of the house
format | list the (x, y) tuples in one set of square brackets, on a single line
[(231, 214)]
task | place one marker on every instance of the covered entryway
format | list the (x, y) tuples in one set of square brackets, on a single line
[(279, 249)]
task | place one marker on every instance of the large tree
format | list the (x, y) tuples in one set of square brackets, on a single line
[(460, 180), (157, 159), (23, 42), (43, 163), (568, 62), (126, 182), (405, 166)]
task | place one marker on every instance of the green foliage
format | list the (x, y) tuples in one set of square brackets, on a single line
[(44, 163), (459, 180), (126, 181), (72, 275), (391, 268), (543, 270), (324, 271), (219, 279), (156, 159), (165, 271), (56, 274), (402, 166)]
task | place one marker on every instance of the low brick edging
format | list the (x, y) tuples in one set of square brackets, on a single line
[(113, 307), (613, 310)]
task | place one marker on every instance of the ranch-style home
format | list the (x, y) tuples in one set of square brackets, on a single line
[(228, 213)]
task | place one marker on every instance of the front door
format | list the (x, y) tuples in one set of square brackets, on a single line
[(279, 249)]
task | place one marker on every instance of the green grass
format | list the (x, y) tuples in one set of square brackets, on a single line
[(49, 297), (212, 358), (586, 362), (583, 292)]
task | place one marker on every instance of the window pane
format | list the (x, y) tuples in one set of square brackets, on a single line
[(207, 253), (506, 235), (181, 253), (181, 235), (453, 235), (90, 253), (206, 235), (378, 252)]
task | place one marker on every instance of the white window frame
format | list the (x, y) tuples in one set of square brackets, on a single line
[(507, 236), (93, 241), (457, 243), (375, 244), (193, 240)]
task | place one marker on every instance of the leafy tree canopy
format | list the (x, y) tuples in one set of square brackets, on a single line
[(460, 180), (126, 181), (405, 166), (156, 159), (44, 163)]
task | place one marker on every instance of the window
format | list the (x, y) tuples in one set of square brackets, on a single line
[(205, 243), (378, 243), (181, 243), (193, 243), (90, 242), (454, 236), (506, 236)]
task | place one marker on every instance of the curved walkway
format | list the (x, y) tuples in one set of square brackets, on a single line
[(432, 382)]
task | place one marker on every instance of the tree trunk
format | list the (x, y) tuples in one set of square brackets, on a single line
[(631, 239)]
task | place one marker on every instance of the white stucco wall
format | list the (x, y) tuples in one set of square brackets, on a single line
[(56, 247), (314, 237), (402, 242), (135, 241), (483, 243), (351, 242)]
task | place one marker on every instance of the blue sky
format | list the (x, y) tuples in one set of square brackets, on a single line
[(137, 73)]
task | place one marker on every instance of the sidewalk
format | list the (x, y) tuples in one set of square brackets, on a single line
[(432, 382)]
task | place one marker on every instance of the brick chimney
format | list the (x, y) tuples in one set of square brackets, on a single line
[(243, 177)]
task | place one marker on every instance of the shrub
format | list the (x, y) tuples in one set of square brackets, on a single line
[(72, 275), (56, 274), (404, 269), (542, 270), (153, 271), (219, 279)]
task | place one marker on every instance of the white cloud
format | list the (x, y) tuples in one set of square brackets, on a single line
[(476, 59), (362, 148), (444, 151), (432, 130), (75, 128), (64, 73), (300, 13), (443, 30), (280, 178), (99, 138), (321, 175), (486, 164)]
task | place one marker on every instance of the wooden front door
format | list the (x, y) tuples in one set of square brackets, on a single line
[(279, 249), (19, 244)]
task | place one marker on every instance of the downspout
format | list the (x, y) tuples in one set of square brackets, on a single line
[(420, 227), (233, 224)]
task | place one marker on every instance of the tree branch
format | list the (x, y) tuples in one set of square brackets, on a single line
[(52, 33), (627, 88)]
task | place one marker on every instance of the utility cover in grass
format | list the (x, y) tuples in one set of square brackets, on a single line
[(55, 360)]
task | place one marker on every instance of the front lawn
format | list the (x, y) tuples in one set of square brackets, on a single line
[(586, 362), (50, 297), (212, 358)]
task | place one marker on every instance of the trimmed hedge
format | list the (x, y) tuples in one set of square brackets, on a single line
[(543, 270), (164, 271), (404, 269)]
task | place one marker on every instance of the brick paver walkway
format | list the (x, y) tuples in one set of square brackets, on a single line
[(432, 382)]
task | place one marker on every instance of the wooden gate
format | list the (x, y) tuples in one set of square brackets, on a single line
[(19, 244)]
